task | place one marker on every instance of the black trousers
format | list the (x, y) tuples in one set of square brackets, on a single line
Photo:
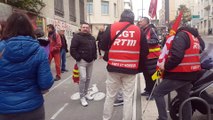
[(37, 114), (150, 69)]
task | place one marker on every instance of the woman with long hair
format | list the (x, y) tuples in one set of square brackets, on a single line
[(25, 72)]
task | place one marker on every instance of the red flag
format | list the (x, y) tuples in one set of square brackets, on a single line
[(153, 8), (176, 24), (165, 51)]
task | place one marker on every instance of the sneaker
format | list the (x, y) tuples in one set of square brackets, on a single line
[(84, 102), (89, 97), (145, 93), (118, 103), (57, 78)]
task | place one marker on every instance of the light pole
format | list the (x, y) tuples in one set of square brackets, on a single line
[(142, 8)]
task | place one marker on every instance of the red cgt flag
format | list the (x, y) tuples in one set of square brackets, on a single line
[(153, 8)]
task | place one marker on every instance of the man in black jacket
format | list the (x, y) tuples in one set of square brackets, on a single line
[(127, 54), (180, 69), (154, 52), (83, 50)]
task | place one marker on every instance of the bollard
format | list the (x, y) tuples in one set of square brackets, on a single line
[(195, 98)]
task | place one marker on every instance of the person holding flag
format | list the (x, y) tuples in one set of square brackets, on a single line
[(180, 67)]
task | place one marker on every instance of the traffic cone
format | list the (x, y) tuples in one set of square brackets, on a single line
[(75, 75)]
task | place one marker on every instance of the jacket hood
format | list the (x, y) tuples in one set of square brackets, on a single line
[(20, 48), (193, 31)]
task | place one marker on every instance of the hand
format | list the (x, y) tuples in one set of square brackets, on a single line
[(44, 91)]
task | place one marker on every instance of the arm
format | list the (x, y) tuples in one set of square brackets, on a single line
[(74, 48), (179, 45), (45, 78), (105, 42), (65, 43)]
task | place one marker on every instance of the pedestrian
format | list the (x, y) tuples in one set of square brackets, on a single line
[(127, 52), (64, 50), (83, 50), (55, 46), (154, 53), (180, 69), (25, 72), (99, 38), (44, 43)]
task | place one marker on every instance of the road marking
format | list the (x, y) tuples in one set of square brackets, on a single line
[(135, 100), (57, 86), (59, 111)]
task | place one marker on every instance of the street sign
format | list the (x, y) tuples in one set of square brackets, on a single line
[(195, 16)]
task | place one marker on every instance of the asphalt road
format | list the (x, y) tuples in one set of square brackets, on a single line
[(60, 106)]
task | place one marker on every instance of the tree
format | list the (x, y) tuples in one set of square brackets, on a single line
[(29, 5), (186, 13)]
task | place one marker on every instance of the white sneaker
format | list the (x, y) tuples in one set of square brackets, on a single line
[(89, 97), (84, 102)]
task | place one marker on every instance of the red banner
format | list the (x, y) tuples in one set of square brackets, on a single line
[(153, 8)]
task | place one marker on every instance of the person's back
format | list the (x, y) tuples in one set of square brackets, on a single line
[(24, 74), (127, 52)]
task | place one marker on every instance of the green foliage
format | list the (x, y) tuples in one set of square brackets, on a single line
[(186, 13), (29, 5)]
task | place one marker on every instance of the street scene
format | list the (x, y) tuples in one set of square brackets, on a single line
[(106, 60)]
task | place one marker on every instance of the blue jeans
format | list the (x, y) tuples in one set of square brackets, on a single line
[(166, 86), (63, 59)]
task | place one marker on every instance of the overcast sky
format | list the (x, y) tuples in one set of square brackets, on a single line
[(137, 6)]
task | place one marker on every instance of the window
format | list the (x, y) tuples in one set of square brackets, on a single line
[(90, 7), (115, 10), (81, 6), (72, 11), (59, 8), (105, 7)]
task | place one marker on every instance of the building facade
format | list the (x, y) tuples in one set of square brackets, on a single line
[(63, 14), (205, 14), (103, 12)]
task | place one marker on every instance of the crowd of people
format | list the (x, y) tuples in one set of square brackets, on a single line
[(129, 49)]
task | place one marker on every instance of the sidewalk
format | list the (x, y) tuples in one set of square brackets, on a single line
[(151, 112)]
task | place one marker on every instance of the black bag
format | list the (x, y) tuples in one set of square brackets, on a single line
[(105, 57)]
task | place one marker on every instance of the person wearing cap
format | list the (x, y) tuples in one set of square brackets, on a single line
[(127, 54), (64, 50)]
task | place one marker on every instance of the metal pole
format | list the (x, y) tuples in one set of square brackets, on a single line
[(142, 8), (195, 98)]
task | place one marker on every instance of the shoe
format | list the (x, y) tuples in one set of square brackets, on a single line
[(62, 71), (145, 93), (151, 98), (57, 78), (89, 97), (84, 102), (118, 103)]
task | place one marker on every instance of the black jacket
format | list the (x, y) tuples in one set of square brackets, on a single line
[(105, 46), (83, 46), (153, 35), (64, 43), (151, 64), (180, 43)]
